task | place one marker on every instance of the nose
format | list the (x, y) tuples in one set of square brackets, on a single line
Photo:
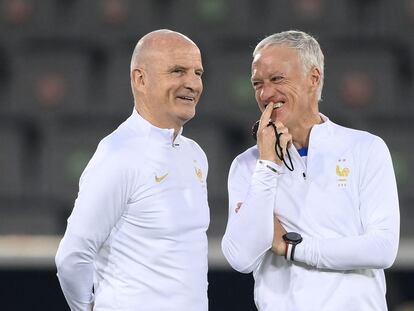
[(266, 92), (194, 83)]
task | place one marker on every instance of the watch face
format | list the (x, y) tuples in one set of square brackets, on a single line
[(293, 237)]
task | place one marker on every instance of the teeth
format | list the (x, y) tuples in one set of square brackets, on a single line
[(278, 105), (187, 98)]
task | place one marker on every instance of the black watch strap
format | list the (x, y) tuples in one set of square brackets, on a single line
[(291, 239)]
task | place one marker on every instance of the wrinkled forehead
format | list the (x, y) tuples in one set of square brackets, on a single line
[(275, 55), (178, 54)]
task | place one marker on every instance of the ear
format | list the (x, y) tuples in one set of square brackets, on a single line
[(138, 78), (315, 78)]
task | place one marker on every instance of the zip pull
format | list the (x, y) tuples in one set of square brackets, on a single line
[(304, 175)]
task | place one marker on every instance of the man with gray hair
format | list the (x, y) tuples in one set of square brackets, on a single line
[(136, 238), (313, 207)]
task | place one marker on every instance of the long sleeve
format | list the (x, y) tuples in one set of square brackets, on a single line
[(249, 232), (377, 246), (100, 203)]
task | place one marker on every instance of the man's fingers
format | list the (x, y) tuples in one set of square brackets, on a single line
[(285, 140), (264, 119)]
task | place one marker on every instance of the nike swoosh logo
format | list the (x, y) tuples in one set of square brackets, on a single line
[(161, 178)]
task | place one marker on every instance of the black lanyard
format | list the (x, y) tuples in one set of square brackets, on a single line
[(278, 148)]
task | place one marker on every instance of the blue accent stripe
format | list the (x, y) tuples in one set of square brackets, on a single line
[(303, 152)]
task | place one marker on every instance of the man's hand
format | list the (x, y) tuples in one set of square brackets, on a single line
[(266, 137), (278, 245)]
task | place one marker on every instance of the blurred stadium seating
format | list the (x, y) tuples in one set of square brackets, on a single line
[(64, 85)]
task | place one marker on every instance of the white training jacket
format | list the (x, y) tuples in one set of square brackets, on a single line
[(136, 239), (344, 203)]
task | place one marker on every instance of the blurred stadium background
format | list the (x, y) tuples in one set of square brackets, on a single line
[(64, 84)]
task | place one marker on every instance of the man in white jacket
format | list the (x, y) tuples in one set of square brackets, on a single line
[(319, 227), (136, 238)]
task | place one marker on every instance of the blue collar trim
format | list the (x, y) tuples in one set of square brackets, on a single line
[(303, 152)]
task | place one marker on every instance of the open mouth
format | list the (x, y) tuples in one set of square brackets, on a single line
[(188, 98), (277, 105)]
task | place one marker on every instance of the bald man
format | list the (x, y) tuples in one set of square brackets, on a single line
[(136, 239)]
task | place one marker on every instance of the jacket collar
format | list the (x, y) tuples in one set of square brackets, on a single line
[(156, 134), (322, 130)]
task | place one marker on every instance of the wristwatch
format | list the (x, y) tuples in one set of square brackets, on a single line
[(291, 239)]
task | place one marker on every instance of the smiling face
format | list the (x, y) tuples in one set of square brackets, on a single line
[(169, 82), (279, 77)]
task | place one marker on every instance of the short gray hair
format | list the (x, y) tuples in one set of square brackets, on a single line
[(308, 48)]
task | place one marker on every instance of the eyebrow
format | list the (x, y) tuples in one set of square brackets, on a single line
[(175, 67), (276, 73)]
